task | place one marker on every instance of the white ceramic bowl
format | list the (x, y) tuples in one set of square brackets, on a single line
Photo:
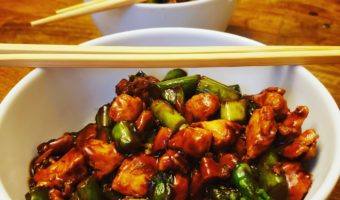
[(48, 102), (206, 14)]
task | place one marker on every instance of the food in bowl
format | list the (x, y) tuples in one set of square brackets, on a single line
[(185, 137)]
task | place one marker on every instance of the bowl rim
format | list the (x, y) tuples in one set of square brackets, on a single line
[(333, 174), (173, 5)]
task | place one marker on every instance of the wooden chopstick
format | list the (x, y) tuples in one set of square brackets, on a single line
[(99, 6), (76, 49), (128, 60), (80, 5)]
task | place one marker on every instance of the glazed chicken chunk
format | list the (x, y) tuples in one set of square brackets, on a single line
[(134, 175), (260, 131)]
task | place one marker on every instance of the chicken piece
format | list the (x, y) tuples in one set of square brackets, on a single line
[(140, 86), (301, 144), (298, 180), (240, 146), (192, 141), (196, 185), (172, 160), (260, 132), (125, 108), (70, 168), (145, 121), (272, 96), (201, 106), (161, 139), (134, 175), (293, 122), (211, 170), (224, 132), (89, 132), (102, 157), (181, 187)]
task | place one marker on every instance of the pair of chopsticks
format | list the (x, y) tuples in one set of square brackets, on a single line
[(153, 57), (85, 8)]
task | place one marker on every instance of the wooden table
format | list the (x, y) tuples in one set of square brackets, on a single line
[(276, 22)]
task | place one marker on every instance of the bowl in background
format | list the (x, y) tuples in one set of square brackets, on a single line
[(205, 14), (49, 102)]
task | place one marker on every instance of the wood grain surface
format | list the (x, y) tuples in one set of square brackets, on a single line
[(274, 22)]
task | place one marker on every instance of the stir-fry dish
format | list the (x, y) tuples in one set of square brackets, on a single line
[(184, 137)]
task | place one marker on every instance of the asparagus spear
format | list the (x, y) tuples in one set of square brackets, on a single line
[(39, 193), (242, 177), (162, 189), (275, 184), (125, 137), (175, 73), (167, 115), (225, 93), (188, 83), (89, 189), (102, 117), (234, 110)]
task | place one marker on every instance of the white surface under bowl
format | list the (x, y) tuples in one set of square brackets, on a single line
[(206, 14), (49, 102)]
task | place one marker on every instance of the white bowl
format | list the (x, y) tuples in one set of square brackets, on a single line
[(48, 102), (206, 14)]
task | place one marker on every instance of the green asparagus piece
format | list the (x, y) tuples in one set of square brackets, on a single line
[(188, 83), (39, 193), (175, 96), (221, 192), (236, 87), (225, 93), (175, 73), (275, 184), (161, 184), (167, 115), (125, 137), (234, 110), (89, 189), (102, 117), (242, 177)]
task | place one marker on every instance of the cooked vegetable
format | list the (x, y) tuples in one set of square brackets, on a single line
[(234, 110), (103, 117), (185, 138), (221, 192), (175, 73), (125, 137), (167, 115), (39, 193), (162, 189), (274, 183), (188, 83), (225, 93), (243, 179), (175, 96), (89, 189)]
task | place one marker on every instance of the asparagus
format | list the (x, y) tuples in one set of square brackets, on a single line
[(188, 83), (102, 117), (39, 193), (175, 96), (167, 115), (89, 189), (221, 192), (224, 92), (275, 184), (242, 177), (175, 73), (125, 137), (234, 110), (162, 189)]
